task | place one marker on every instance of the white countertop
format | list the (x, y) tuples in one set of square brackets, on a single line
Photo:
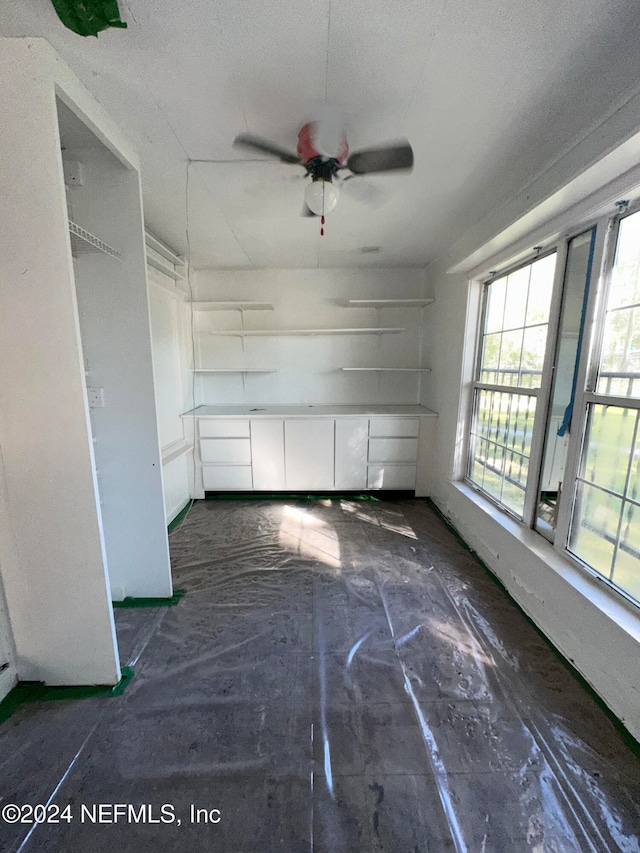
[(371, 410)]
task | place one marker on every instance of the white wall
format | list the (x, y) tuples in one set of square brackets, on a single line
[(51, 554), (170, 336), (116, 340), (308, 367), (590, 626)]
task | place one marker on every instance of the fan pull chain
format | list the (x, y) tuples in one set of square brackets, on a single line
[(322, 226)]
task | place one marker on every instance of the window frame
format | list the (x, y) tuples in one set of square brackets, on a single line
[(607, 228), (542, 394), (604, 261)]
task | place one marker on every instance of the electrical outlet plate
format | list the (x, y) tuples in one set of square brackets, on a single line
[(96, 398), (73, 173)]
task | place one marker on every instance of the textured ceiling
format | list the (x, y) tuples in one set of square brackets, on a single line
[(487, 92)]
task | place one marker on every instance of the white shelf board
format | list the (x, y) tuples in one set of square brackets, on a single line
[(232, 306), (83, 241), (389, 303), (155, 244), (158, 265), (234, 370), (390, 369), (245, 333)]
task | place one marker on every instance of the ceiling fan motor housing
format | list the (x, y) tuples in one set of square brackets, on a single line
[(321, 165)]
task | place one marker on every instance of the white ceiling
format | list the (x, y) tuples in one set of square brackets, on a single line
[(487, 92)]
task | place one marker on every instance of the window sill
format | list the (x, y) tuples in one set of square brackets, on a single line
[(615, 606)]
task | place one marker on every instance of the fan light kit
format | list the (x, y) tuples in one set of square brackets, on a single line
[(323, 154)]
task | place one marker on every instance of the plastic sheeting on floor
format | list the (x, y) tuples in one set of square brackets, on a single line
[(341, 676)]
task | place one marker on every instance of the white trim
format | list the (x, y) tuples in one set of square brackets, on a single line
[(175, 450), (592, 193), (176, 512), (594, 398)]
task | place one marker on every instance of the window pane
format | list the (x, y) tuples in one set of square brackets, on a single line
[(500, 445), (490, 358), (512, 353), (535, 340), (626, 573), (495, 305), (620, 362), (540, 290), (594, 527), (516, 320), (510, 356), (610, 433), (516, 303), (605, 529)]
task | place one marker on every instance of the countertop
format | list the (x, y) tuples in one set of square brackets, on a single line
[(371, 410)]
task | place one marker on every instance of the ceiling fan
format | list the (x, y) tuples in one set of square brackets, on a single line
[(323, 152)]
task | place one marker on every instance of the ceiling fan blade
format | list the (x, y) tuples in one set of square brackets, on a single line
[(306, 210), (246, 140), (381, 159)]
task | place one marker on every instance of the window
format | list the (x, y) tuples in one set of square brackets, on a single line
[(605, 528), (516, 320), (555, 432)]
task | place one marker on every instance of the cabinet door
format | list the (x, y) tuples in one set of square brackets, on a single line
[(351, 453), (267, 455), (308, 452)]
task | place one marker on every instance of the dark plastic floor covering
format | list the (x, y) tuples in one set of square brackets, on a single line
[(341, 676)]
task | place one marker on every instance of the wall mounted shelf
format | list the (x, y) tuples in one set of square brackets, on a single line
[(83, 241), (232, 306), (390, 369), (389, 303), (233, 370), (245, 333)]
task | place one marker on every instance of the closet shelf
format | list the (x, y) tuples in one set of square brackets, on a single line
[(83, 241), (155, 244), (232, 306), (390, 369), (164, 269), (389, 303), (245, 333)]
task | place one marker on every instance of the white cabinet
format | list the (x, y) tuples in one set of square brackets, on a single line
[(232, 478), (314, 453), (226, 451), (351, 441), (267, 453), (390, 427), (224, 429), (393, 449), (309, 452), (390, 476), (393, 453)]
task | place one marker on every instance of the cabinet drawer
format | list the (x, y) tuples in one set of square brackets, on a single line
[(391, 477), (392, 427), (230, 451), (223, 429), (393, 449), (233, 477)]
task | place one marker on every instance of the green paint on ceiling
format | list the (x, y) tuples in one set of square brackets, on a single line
[(88, 17)]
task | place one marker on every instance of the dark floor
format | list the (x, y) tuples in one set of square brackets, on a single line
[(341, 676)]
